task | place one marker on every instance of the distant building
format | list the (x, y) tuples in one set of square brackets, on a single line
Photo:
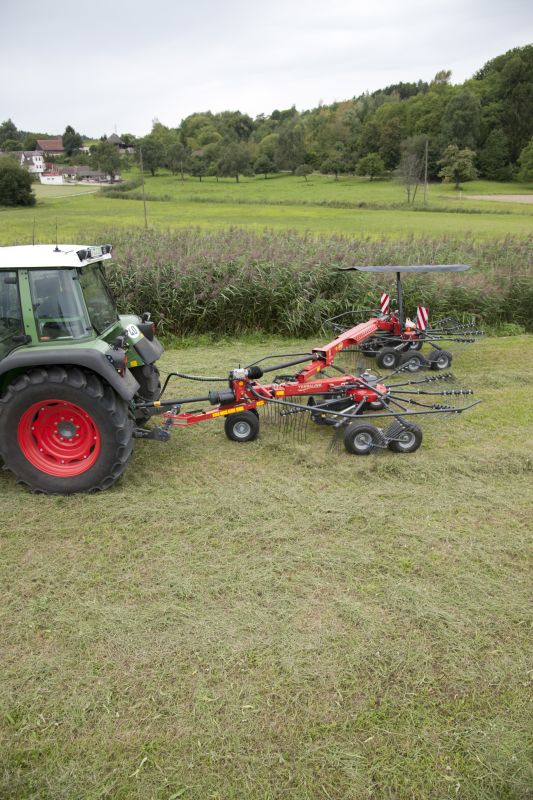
[(52, 147), (118, 142), (33, 161), (64, 173), (50, 178)]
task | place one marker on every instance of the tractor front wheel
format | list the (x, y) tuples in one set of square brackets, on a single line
[(242, 427), (149, 382), (64, 431)]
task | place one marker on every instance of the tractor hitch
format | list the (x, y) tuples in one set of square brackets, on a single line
[(159, 434)]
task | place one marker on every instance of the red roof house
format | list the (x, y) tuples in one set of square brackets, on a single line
[(53, 147)]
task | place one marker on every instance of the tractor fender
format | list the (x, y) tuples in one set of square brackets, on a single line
[(125, 385)]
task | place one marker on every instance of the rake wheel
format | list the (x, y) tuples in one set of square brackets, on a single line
[(440, 359), (360, 438), (388, 358), (407, 441)]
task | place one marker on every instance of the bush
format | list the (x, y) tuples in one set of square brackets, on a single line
[(15, 184), (231, 281)]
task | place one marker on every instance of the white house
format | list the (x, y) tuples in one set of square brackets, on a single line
[(33, 161)]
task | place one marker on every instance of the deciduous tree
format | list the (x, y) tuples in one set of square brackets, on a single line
[(411, 167), (371, 165), (303, 171), (494, 157), (72, 141), (105, 157), (234, 160), (525, 161), (457, 165), (263, 165), (15, 184), (153, 153)]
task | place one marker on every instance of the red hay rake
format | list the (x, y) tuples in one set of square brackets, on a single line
[(368, 411), (399, 339)]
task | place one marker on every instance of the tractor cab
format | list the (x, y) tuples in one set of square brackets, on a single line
[(54, 295), (66, 350)]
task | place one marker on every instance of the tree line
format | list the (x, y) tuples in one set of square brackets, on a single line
[(481, 127)]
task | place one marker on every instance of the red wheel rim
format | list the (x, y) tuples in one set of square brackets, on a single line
[(59, 438)]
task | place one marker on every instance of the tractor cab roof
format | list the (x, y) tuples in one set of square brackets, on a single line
[(46, 256)]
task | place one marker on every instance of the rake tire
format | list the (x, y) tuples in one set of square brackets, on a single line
[(388, 358), (413, 360), (408, 440), (242, 427), (360, 438), (440, 359)]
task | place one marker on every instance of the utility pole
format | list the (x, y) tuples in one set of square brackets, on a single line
[(142, 181), (426, 173)]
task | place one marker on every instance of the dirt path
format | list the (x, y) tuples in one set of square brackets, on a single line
[(504, 198)]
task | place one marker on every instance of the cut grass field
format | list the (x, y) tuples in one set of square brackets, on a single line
[(280, 202), (274, 621)]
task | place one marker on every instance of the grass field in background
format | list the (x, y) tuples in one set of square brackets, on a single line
[(274, 621), (280, 202)]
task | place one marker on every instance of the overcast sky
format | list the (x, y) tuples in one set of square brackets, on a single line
[(101, 66)]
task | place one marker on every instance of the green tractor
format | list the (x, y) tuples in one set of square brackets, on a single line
[(71, 370)]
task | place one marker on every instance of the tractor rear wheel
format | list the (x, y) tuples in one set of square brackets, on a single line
[(360, 438), (407, 441), (388, 358), (64, 431), (242, 427)]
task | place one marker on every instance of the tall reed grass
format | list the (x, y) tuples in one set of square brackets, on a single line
[(234, 280)]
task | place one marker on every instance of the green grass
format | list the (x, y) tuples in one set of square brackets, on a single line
[(280, 202), (275, 621)]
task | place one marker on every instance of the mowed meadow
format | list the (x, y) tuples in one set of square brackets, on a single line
[(280, 619), (273, 620), (350, 206)]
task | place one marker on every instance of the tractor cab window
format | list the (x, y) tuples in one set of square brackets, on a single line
[(100, 304), (10, 312), (58, 304)]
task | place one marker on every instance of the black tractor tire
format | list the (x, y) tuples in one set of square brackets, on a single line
[(440, 359), (149, 382), (415, 344), (408, 440), (360, 438), (388, 358), (241, 427), (64, 431), (413, 360)]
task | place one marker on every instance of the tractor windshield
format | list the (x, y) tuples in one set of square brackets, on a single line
[(58, 305), (100, 305)]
